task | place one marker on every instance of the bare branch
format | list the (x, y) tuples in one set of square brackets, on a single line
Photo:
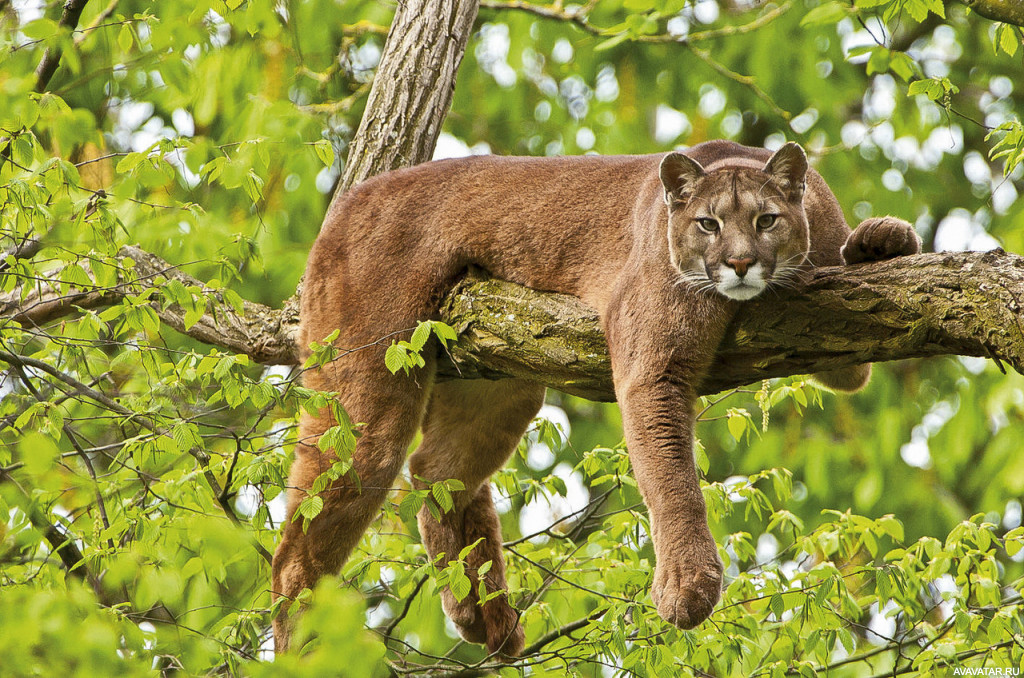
[(51, 58)]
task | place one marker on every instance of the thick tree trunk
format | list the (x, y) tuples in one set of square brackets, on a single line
[(412, 89)]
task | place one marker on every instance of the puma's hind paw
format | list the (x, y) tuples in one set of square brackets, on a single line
[(504, 633), (467, 617), (880, 238), (495, 624)]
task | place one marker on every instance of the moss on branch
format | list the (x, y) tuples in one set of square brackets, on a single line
[(926, 305)]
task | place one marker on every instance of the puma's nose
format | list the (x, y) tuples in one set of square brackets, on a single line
[(740, 264)]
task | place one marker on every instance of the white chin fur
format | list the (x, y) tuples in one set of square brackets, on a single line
[(734, 287)]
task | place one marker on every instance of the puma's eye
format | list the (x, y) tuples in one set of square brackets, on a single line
[(707, 225), (766, 221)]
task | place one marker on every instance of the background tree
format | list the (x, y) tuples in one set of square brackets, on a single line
[(140, 465)]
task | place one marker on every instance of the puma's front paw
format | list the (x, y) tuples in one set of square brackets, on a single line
[(685, 594), (880, 238)]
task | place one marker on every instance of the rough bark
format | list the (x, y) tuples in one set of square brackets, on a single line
[(927, 305), (911, 307), (69, 17), (1008, 11), (412, 89)]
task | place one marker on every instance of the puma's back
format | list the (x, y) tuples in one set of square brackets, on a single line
[(566, 224)]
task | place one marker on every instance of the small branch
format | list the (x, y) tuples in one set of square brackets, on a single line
[(745, 80), (73, 439), (26, 249), (62, 544), (97, 22), (578, 17), (405, 609), (51, 58), (725, 31), (21, 362), (562, 631), (263, 333)]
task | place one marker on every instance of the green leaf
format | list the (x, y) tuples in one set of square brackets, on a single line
[(443, 331), (76, 275), (738, 421), (777, 605), (253, 185), (466, 550), (40, 29), (186, 436), (1007, 39), (410, 506), (394, 358), (827, 13), (23, 149), (458, 582), (892, 526), (310, 507), (195, 309), (420, 335), (130, 162), (235, 301), (442, 496), (325, 151), (125, 38)]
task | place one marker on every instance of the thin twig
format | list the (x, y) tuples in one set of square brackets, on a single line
[(405, 610)]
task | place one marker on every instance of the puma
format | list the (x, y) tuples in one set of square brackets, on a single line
[(666, 247)]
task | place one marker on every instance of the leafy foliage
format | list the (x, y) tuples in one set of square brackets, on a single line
[(142, 471)]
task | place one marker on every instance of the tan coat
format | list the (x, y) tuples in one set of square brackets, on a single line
[(661, 276)]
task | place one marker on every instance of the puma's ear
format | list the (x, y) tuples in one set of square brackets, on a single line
[(679, 174), (788, 167)]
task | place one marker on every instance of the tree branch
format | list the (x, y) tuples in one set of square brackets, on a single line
[(1007, 11), (911, 307), (963, 303), (51, 58), (263, 333)]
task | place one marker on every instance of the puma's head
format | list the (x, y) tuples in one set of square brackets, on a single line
[(737, 230)]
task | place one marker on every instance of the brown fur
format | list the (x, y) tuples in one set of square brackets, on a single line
[(594, 227)]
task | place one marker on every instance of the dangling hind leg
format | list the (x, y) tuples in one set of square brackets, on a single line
[(391, 407), (470, 429)]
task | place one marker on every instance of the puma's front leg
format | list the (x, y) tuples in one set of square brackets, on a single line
[(661, 349), (658, 420), (880, 238)]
